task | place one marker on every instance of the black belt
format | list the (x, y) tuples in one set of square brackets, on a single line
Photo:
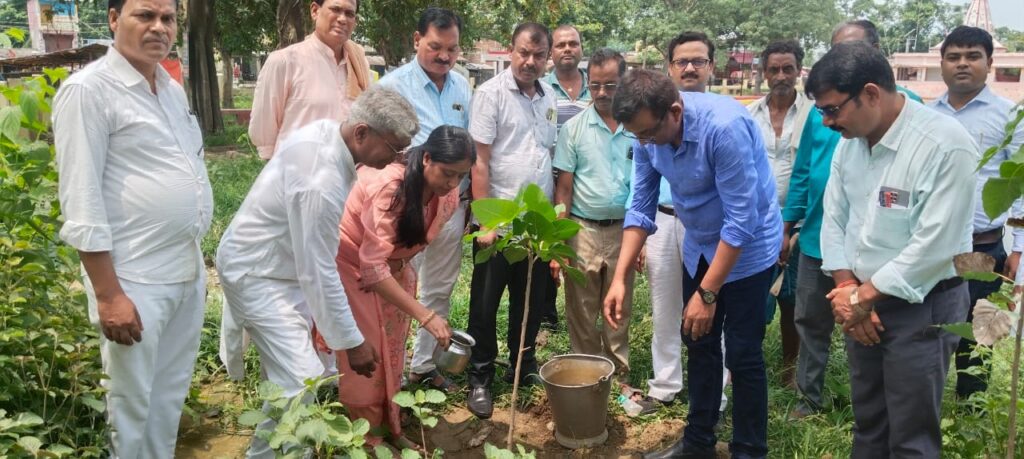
[(988, 237), (946, 284), (608, 222), (666, 210)]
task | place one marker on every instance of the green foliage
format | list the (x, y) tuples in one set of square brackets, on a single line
[(49, 355), (420, 404), (246, 26), (1012, 39), (305, 424), (493, 452)]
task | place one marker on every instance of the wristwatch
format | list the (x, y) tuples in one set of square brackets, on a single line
[(707, 296)]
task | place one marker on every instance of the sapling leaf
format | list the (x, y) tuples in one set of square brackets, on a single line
[(484, 254), (357, 453), (961, 329), (360, 427), (410, 454), (435, 396), (494, 212), (564, 228), (515, 254), (973, 262), (383, 452), (429, 422), (998, 195), (536, 201), (404, 399), (990, 323), (252, 418), (420, 396), (980, 276), (538, 226), (575, 274)]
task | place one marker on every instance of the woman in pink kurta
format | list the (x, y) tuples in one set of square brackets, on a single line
[(390, 216)]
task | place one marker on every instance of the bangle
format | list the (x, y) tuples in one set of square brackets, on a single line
[(847, 282), (429, 317)]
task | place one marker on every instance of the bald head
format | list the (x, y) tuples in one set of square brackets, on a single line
[(859, 30)]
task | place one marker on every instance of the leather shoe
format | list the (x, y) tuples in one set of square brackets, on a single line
[(479, 402), (679, 451)]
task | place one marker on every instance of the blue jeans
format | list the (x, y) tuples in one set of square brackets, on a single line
[(740, 312)]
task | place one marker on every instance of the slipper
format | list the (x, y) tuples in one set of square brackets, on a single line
[(434, 380)]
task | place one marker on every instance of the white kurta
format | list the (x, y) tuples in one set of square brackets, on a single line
[(132, 183)]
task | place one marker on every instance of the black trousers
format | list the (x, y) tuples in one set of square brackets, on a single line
[(967, 384), (486, 288)]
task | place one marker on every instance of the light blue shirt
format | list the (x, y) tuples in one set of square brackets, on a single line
[(599, 161), (985, 118), (899, 212), (721, 184), (434, 108)]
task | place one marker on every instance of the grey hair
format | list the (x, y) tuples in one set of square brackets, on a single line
[(385, 111)]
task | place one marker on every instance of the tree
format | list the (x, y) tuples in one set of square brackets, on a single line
[(243, 27), (388, 25), (293, 21), (1012, 39), (909, 26), (202, 71)]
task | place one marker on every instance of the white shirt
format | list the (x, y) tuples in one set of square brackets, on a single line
[(781, 150), (287, 227), (899, 212), (520, 130), (132, 178)]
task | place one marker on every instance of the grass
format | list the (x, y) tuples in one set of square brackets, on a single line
[(828, 434)]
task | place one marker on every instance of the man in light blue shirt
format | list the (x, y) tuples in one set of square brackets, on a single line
[(723, 190), (897, 209), (594, 156), (966, 64), (440, 97)]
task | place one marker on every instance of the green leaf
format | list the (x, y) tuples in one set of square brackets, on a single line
[(435, 396), (980, 276), (404, 399), (360, 427), (999, 194), (252, 418), (494, 213), (1010, 169), (91, 402), (536, 201), (5, 41), (313, 429), (30, 108), (429, 421), (961, 329), (564, 228), (515, 254), (10, 122), (383, 452), (538, 226), (575, 274), (420, 396), (30, 444), (410, 454), (484, 254), (15, 33)]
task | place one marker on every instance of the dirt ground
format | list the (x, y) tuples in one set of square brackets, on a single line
[(460, 434)]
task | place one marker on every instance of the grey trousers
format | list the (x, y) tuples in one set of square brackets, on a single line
[(814, 324), (896, 385)]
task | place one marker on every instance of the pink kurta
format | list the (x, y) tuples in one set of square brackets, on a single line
[(368, 255)]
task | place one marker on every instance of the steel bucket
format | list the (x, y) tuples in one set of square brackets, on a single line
[(578, 386), (455, 359)]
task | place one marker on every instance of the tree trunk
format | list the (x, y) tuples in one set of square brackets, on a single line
[(202, 70), (1011, 442), (291, 21), (227, 94), (531, 259)]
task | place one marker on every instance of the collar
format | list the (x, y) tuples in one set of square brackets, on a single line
[(985, 97), (594, 119), (510, 83), (552, 79), (423, 80), (322, 48), (894, 136), (762, 103), (128, 74)]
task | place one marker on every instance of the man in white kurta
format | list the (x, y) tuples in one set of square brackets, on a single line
[(276, 259), (136, 202)]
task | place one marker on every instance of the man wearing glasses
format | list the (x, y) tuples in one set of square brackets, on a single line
[(317, 78), (711, 152), (898, 208), (781, 115), (594, 157), (812, 314)]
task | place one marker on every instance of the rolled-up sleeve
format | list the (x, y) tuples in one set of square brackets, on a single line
[(643, 202), (737, 181), (81, 135), (268, 103), (835, 217), (943, 216), (313, 218)]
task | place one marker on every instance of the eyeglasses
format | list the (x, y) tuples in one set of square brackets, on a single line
[(832, 110), (608, 87), (647, 136), (696, 63), (399, 152)]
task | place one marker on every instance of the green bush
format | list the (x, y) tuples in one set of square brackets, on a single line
[(49, 354)]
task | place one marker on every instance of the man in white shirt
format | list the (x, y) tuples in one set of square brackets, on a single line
[(136, 202), (897, 209), (276, 259)]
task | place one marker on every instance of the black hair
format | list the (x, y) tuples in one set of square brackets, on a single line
[(783, 47), (847, 68), (321, 3), (604, 55), (641, 89), (446, 145), (535, 32), (870, 31), (966, 37), (440, 18), (689, 36)]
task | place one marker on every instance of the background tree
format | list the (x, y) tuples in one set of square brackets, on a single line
[(201, 22), (293, 21), (244, 27), (1012, 39)]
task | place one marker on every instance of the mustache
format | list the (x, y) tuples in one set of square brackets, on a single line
[(690, 75), (442, 62), (836, 128)]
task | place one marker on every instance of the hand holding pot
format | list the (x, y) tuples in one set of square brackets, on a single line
[(438, 327)]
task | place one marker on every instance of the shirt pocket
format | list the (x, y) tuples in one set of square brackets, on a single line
[(889, 228)]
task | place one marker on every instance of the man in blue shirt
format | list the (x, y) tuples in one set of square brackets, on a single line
[(966, 64), (723, 190), (440, 97)]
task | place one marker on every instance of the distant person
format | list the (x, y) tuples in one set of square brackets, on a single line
[(136, 203)]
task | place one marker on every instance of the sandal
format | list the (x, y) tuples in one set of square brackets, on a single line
[(434, 380)]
